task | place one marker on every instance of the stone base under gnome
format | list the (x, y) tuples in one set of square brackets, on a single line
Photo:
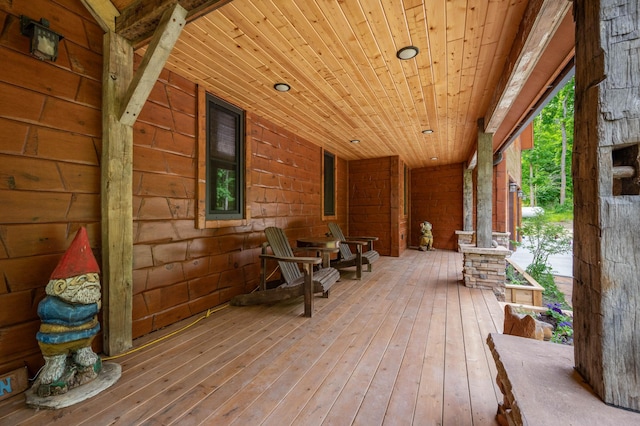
[(109, 374)]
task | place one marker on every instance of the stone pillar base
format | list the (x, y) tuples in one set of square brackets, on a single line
[(485, 268)]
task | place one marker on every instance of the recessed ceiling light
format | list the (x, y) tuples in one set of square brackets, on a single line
[(427, 131), (355, 141), (434, 158), (407, 52), (282, 87)]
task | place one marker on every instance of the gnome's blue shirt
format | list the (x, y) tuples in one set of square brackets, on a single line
[(55, 311)]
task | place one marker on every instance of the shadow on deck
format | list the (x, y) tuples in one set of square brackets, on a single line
[(405, 345)]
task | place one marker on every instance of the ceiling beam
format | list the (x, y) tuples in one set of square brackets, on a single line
[(138, 22), (164, 38), (104, 12), (540, 21)]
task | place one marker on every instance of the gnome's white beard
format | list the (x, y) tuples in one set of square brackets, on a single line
[(84, 289)]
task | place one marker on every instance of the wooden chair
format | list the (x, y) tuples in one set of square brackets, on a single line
[(346, 258), (297, 282)]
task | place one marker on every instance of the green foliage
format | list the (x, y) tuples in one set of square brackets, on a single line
[(513, 276), (561, 214), (225, 189), (563, 324), (541, 166), (543, 239)]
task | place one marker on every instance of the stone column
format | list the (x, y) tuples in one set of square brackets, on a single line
[(467, 201), (485, 182), (606, 289)]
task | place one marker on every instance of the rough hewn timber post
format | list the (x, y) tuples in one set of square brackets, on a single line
[(484, 214), (606, 294), (467, 201), (117, 200)]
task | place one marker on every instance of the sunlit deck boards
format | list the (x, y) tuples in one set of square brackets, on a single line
[(405, 345)]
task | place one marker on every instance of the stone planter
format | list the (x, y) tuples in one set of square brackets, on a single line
[(529, 293)]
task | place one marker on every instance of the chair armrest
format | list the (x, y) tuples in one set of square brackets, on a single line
[(359, 242), (310, 260)]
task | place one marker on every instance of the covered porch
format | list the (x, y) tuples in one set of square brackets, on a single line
[(404, 345)]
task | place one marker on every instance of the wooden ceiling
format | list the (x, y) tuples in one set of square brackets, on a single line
[(490, 59)]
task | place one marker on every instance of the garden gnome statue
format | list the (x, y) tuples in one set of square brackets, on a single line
[(426, 237), (69, 321)]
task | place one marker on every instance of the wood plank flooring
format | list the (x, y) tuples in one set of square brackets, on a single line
[(403, 346)]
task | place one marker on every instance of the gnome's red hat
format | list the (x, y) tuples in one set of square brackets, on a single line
[(78, 259)]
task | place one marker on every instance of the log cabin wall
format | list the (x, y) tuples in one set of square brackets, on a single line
[(371, 200), (436, 196), (50, 144), (514, 171), (500, 194), (179, 270)]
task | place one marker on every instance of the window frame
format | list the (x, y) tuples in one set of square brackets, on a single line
[(240, 216), (333, 213)]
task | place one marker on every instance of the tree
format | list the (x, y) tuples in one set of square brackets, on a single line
[(546, 175)]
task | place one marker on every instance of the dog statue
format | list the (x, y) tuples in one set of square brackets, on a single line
[(426, 237)]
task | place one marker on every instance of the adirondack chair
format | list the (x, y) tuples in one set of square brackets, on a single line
[(346, 258), (297, 282)]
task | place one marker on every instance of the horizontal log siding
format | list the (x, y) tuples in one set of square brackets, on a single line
[(370, 201), (50, 129), (180, 270), (436, 196)]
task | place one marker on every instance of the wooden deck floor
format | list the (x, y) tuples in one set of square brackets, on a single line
[(405, 345)]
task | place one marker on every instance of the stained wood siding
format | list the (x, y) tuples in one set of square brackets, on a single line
[(50, 130), (50, 146), (500, 193), (180, 270), (436, 196), (370, 201)]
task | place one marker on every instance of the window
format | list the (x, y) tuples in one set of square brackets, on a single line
[(224, 160), (329, 187)]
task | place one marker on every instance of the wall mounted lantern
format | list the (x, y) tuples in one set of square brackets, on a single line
[(44, 41), (513, 187), (520, 194)]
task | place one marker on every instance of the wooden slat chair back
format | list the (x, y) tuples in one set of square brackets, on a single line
[(347, 258), (281, 248), (298, 282)]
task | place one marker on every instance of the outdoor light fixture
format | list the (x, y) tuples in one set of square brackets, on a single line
[(513, 187), (282, 87), (44, 41), (520, 194), (407, 52), (355, 141), (427, 131)]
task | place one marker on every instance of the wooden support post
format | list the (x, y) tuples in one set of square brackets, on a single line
[(606, 289), (467, 201), (484, 214), (117, 201)]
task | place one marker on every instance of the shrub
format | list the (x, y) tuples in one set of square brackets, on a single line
[(544, 239)]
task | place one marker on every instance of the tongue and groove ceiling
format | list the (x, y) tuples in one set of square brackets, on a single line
[(479, 59)]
